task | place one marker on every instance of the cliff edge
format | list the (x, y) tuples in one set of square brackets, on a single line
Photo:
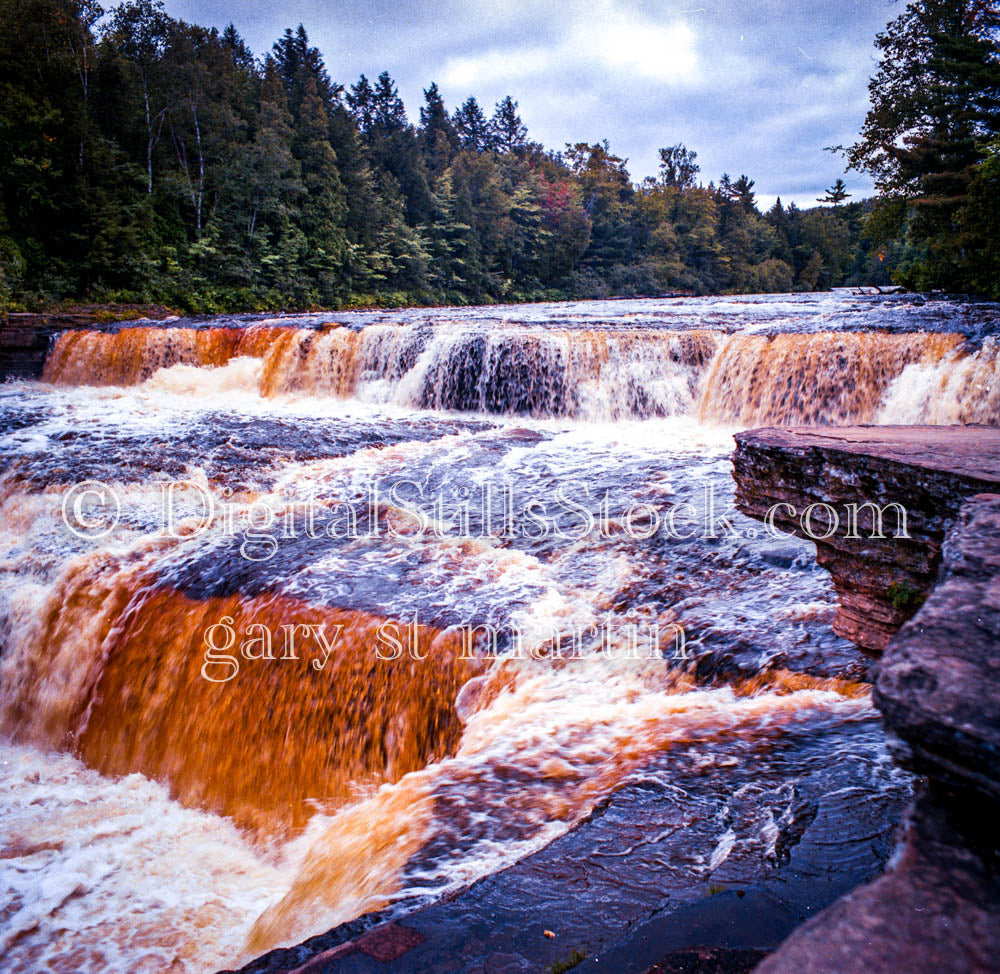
[(937, 683), (842, 481)]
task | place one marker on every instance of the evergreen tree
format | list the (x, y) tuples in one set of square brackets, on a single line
[(361, 99), (836, 194), (507, 133), (241, 54), (742, 192), (471, 125), (322, 212), (387, 112), (297, 62), (438, 139)]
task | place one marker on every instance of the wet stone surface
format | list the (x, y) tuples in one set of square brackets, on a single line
[(656, 869)]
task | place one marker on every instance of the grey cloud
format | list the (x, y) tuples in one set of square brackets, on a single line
[(756, 87)]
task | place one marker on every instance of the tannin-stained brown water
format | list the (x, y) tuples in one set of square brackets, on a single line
[(402, 479)]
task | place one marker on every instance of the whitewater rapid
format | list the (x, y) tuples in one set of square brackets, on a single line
[(156, 820)]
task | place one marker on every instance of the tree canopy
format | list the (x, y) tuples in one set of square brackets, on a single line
[(146, 159), (931, 140)]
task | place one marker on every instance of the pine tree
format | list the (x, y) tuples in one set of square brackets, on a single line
[(507, 133), (361, 99), (438, 139), (742, 192), (241, 54), (471, 125), (836, 194), (298, 61), (387, 112)]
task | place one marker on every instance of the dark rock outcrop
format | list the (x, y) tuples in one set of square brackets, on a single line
[(929, 470), (938, 684), (938, 688), (24, 343)]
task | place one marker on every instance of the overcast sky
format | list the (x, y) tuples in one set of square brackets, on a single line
[(756, 87)]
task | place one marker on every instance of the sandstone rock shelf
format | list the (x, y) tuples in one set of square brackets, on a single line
[(937, 684), (938, 688), (929, 470)]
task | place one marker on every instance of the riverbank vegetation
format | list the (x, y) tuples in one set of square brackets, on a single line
[(144, 159), (932, 141)]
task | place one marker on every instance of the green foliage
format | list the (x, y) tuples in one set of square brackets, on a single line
[(905, 598), (930, 140), (145, 159)]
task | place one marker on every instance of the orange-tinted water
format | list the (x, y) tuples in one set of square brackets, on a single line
[(165, 816)]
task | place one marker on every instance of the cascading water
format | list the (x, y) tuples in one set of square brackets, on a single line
[(806, 376), (400, 479)]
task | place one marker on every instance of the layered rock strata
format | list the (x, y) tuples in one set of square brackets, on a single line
[(833, 484), (938, 688), (937, 684)]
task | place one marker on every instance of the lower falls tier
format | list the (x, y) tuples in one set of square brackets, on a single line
[(596, 375), (119, 669)]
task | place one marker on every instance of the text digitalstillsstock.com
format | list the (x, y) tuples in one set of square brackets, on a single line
[(400, 509)]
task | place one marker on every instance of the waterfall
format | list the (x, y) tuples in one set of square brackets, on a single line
[(587, 374), (826, 377), (114, 666), (133, 355), (184, 793)]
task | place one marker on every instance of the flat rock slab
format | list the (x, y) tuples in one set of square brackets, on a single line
[(928, 470), (960, 451), (627, 889)]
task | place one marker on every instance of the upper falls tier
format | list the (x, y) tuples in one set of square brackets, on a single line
[(927, 470), (604, 373)]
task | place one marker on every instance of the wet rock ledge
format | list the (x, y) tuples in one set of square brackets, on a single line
[(937, 685), (929, 470), (26, 337)]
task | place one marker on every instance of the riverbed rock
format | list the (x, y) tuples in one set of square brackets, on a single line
[(938, 683), (937, 910), (929, 470), (938, 688)]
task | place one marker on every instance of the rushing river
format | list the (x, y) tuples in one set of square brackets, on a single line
[(403, 487)]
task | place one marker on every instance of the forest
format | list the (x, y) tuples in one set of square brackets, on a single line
[(144, 159)]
